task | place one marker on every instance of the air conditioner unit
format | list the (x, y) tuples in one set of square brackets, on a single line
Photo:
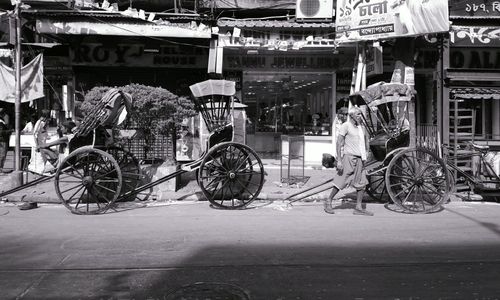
[(314, 10)]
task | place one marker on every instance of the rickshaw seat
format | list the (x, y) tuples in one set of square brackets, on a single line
[(383, 144), (220, 135)]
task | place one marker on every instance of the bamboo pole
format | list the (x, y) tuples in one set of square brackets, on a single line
[(17, 107)]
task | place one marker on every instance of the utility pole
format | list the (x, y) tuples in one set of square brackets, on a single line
[(17, 106)]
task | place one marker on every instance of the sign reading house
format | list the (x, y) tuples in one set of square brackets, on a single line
[(363, 20)]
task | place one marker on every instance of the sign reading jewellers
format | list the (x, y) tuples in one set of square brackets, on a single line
[(136, 55), (285, 62), (474, 8)]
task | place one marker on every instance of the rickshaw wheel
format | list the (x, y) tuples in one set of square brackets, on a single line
[(231, 175), (88, 181), (376, 187), (417, 181), (451, 180), (376, 181), (129, 166)]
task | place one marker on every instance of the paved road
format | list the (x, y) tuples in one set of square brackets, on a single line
[(187, 250)]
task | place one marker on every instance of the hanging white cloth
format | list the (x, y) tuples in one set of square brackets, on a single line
[(31, 81)]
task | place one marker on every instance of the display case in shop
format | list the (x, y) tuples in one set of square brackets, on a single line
[(292, 159)]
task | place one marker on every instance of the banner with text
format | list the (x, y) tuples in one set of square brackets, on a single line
[(474, 8), (362, 20)]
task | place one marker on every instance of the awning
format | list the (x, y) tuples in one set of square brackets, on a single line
[(177, 30), (272, 24), (475, 93)]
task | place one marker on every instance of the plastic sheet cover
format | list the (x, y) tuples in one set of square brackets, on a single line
[(213, 87)]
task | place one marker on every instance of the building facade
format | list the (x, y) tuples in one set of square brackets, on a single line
[(289, 71), (471, 74)]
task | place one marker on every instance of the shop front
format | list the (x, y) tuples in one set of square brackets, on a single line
[(98, 61), (472, 80), (284, 100), (289, 85)]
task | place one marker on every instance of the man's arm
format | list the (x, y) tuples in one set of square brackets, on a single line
[(340, 145), (59, 141)]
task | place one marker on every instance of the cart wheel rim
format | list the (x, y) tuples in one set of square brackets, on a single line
[(88, 181), (376, 187), (231, 175), (417, 180), (130, 169)]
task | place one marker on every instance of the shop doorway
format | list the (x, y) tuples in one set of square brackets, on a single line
[(286, 103)]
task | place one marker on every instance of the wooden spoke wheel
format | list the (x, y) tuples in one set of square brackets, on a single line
[(376, 187), (451, 180), (231, 175), (88, 181), (417, 180), (376, 181), (130, 168)]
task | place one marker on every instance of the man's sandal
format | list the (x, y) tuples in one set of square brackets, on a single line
[(28, 205), (362, 212)]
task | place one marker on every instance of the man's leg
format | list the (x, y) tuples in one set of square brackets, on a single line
[(327, 205), (49, 156), (359, 204), (359, 199)]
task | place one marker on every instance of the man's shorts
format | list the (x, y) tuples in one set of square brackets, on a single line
[(353, 173)]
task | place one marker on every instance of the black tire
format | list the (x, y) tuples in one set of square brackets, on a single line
[(376, 188), (131, 171), (88, 181), (231, 175)]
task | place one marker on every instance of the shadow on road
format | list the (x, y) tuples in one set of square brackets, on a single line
[(490, 226)]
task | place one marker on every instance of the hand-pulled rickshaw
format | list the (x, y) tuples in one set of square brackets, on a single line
[(414, 178), (97, 173)]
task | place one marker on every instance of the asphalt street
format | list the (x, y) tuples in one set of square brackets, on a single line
[(188, 250)]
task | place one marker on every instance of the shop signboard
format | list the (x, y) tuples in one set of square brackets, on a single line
[(364, 20), (475, 58), (248, 4), (475, 47), (138, 55), (475, 36), (474, 8), (288, 61)]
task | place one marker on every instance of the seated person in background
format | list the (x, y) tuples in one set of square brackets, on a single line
[(40, 134), (28, 128), (51, 155)]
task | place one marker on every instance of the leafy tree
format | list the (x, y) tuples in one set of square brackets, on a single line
[(155, 110)]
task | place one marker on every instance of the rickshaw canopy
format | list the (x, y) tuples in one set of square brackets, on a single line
[(110, 111), (382, 93), (213, 87)]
